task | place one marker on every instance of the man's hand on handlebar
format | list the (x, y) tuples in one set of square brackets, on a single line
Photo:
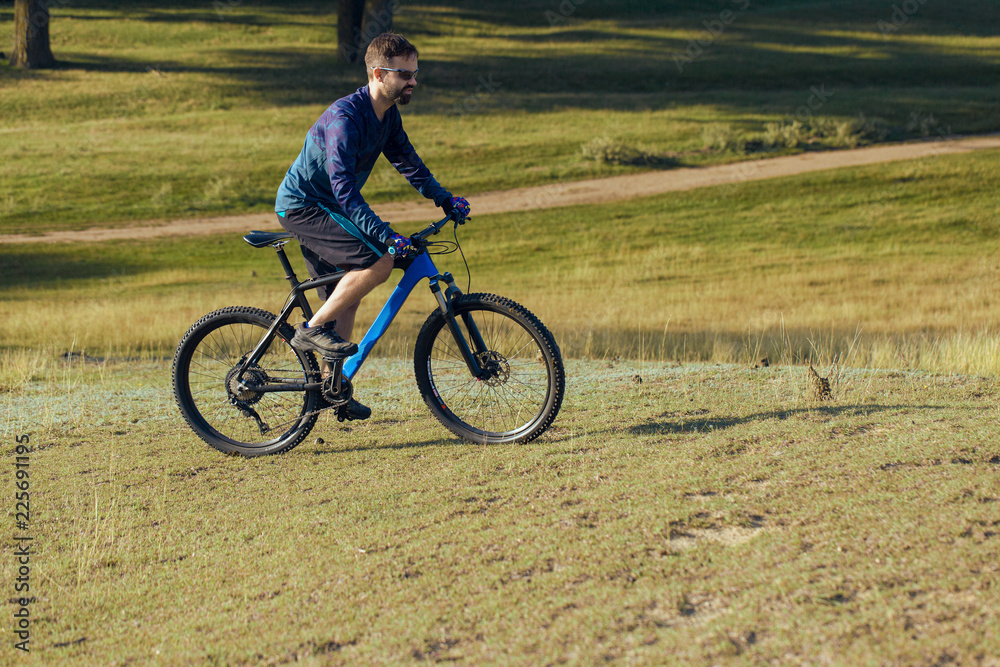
[(399, 246), (458, 208)]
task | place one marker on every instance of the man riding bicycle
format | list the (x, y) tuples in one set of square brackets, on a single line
[(319, 201)]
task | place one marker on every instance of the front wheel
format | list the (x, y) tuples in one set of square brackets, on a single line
[(520, 390), (224, 406)]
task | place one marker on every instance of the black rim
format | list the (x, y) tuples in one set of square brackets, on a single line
[(512, 396), (229, 416)]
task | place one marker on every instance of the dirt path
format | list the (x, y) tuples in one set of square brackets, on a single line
[(594, 191)]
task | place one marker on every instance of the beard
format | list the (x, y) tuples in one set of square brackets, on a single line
[(403, 95)]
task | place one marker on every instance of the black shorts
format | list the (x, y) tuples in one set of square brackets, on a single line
[(326, 243)]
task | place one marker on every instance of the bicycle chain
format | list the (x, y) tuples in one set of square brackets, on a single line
[(309, 377)]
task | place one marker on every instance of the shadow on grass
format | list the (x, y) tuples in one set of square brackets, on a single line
[(61, 264), (42, 269), (699, 423), (749, 63), (286, 77), (439, 442), (770, 48), (548, 438)]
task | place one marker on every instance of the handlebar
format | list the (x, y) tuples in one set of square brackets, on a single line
[(418, 239)]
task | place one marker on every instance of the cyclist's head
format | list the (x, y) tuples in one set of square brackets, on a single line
[(384, 48)]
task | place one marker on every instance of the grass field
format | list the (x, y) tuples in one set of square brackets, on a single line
[(164, 110), (677, 511), (689, 505), (708, 514)]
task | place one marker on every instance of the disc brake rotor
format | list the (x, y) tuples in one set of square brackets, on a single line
[(496, 370)]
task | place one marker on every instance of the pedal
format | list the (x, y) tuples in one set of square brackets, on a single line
[(344, 414)]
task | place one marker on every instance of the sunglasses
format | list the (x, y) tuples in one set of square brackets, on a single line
[(406, 74)]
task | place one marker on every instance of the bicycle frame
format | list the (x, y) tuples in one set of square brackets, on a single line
[(419, 268)]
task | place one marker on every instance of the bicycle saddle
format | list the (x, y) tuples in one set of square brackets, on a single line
[(261, 239)]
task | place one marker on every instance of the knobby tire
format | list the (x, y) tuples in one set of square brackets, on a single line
[(523, 394), (204, 386)]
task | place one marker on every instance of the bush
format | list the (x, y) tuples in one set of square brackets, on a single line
[(786, 135), (723, 138), (605, 150), (793, 134)]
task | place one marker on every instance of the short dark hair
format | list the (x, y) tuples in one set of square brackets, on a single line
[(384, 48)]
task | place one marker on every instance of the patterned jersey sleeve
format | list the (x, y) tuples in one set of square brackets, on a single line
[(401, 154)]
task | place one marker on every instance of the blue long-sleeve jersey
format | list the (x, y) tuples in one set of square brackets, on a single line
[(337, 157)]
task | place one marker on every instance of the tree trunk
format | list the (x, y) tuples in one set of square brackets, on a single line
[(349, 38), (31, 35), (378, 18), (358, 22)]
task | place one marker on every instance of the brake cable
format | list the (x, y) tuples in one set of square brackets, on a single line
[(448, 247)]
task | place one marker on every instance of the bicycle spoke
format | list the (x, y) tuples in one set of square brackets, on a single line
[(500, 404), (213, 359)]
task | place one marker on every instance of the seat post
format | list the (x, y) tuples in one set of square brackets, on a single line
[(286, 265), (298, 296)]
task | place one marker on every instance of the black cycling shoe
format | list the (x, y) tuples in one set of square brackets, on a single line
[(322, 340), (353, 411)]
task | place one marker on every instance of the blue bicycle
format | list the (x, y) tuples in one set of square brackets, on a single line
[(486, 367)]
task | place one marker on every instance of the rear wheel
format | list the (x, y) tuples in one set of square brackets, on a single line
[(519, 393), (221, 405)]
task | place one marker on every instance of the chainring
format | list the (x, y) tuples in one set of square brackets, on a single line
[(330, 394)]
